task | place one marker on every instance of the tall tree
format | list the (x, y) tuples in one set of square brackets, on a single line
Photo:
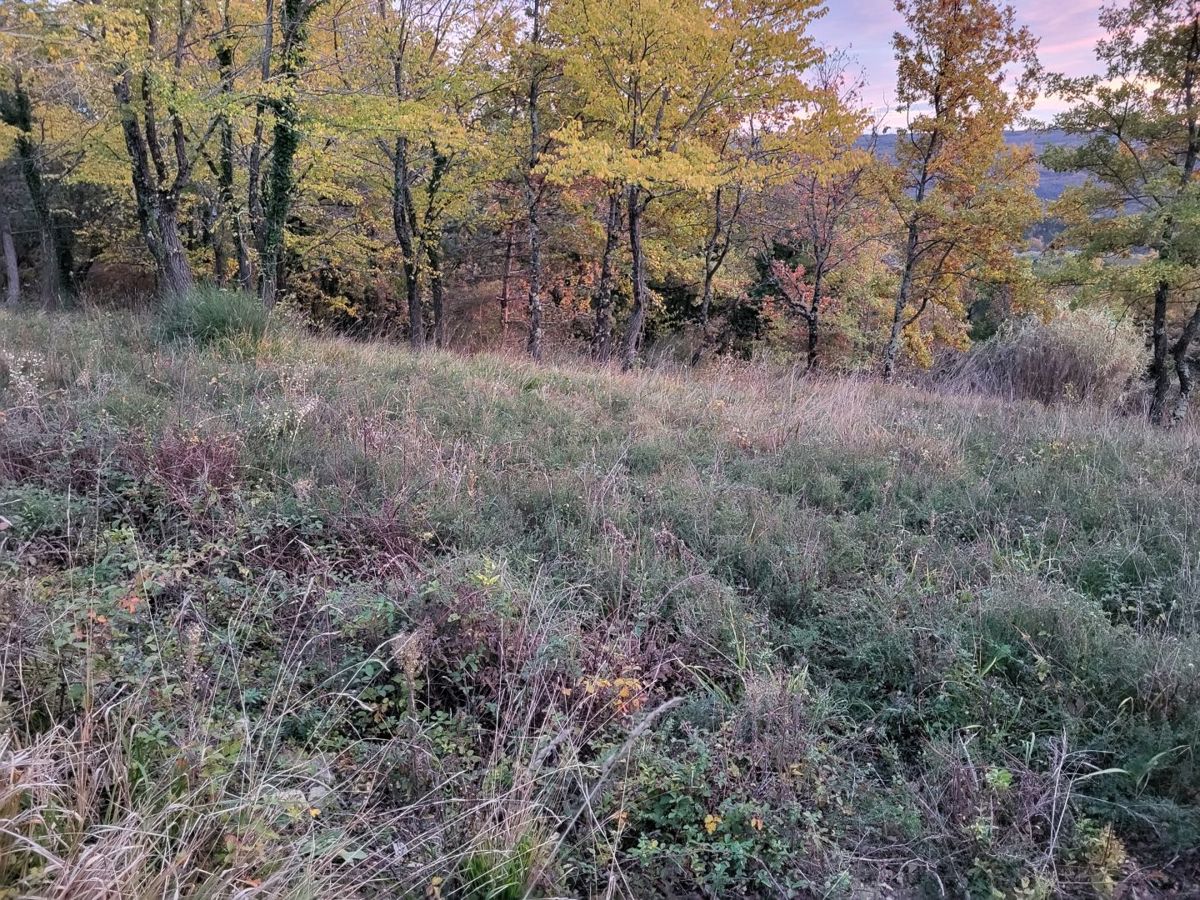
[(231, 208), (284, 100), (427, 118), (965, 73), (258, 144), (533, 180), (662, 84), (12, 268), (16, 111), (1141, 128), (398, 27), (602, 297), (831, 204), (164, 125)]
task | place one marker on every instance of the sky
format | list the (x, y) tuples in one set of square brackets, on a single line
[(1068, 30)]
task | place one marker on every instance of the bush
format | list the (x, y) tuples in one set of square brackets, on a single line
[(210, 315), (1078, 355)]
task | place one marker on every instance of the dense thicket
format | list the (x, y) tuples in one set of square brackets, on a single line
[(574, 173)]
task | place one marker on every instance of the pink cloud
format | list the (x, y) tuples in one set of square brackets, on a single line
[(1083, 43)]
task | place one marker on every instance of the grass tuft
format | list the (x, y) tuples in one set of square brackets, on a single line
[(210, 315)]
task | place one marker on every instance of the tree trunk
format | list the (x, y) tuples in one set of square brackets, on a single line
[(532, 192), (230, 207), (213, 234), (716, 247), (1183, 366), (712, 261), (144, 193), (176, 272), (281, 179), (430, 236), (706, 298), (1158, 332), (504, 279), (534, 342), (254, 188), (403, 219), (637, 318), (269, 286), (54, 256), (51, 281), (814, 319), (416, 310), (1158, 340), (12, 271), (433, 253), (157, 209), (892, 351), (603, 299)]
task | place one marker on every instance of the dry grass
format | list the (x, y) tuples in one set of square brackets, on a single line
[(1080, 355), (521, 631)]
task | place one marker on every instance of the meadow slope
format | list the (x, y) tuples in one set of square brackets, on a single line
[(311, 618)]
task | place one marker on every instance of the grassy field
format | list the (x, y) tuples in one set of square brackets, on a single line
[(307, 618)]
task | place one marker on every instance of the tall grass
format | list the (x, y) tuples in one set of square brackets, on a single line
[(212, 315), (325, 619), (1078, 355)]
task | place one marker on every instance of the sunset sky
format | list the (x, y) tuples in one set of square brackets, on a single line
[(1068, 30)]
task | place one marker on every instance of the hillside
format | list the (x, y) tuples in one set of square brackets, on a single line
[(310, 618), (1050, 184)]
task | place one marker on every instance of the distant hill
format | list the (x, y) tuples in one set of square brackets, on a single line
[(1051, 184)]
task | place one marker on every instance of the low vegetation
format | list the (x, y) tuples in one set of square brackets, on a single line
[(293, 616), (1077, 355), (210, 315)]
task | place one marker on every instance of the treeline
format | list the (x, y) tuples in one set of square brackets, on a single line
[(606, 175)]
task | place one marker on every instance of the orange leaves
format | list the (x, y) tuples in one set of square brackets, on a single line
[(130, 602), (626, 694), (133, 600)]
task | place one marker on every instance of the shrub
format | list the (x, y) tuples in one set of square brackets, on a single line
[(210, 315), (1078, 355)]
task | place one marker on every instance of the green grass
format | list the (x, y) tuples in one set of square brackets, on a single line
[(211, 315), (340, 620)]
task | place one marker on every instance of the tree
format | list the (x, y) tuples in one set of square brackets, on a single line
[(37, 35), (662, 84), (427, 119), (831, 204), (602, 297), (12, 268), (533, 181), (1141, 122), (149, 53), (231, 209), (963, 201), (285, 104), (725, 213)]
